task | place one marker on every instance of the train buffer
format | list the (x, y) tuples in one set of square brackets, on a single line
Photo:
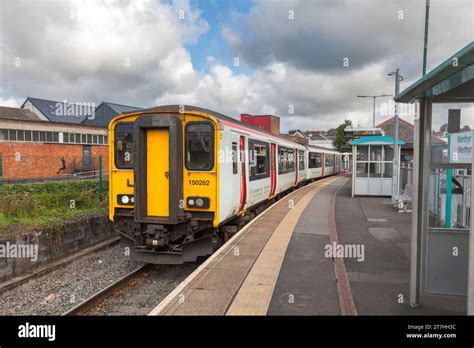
[(317, 251)]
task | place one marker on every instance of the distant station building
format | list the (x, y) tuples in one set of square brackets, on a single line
[(34, 148)]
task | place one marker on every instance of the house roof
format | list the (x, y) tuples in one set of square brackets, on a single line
[(122, 109), (49, 109), (443, 78), (106, 111), (18, 114)]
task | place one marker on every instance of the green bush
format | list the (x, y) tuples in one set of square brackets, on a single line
[(48, 204)]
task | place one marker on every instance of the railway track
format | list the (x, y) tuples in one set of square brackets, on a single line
[(136, 293)]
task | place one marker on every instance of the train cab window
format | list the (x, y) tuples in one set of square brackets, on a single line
[(199, 146), (123, 142), (301, 160)]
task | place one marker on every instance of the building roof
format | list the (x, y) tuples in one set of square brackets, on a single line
[(122, 109), (406, 129), (453, 72), (106, 111), (49, 109), (18, 114), (375, 140)]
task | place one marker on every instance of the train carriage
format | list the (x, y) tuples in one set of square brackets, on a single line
[(181, 173)]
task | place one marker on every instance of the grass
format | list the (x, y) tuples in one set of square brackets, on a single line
[(27, 206)]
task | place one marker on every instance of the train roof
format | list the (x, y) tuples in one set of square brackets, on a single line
[(175, 108)]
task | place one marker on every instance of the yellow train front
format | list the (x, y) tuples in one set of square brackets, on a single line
[(149, 177), (180, 173)]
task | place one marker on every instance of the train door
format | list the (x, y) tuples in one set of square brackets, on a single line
[(157, 152), (243, 175), (296, 166), (323, 163), (273, 176)]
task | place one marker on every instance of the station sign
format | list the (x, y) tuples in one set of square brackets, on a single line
[(460, 147)]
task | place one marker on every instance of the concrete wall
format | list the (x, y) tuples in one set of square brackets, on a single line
[(54, 244)]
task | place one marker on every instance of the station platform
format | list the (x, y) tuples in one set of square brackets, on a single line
[(317, 251)]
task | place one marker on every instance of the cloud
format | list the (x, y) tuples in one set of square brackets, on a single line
[(318, 35), (97, 50), (135, 52)]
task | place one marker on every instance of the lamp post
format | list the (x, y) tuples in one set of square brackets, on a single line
[(374, 97), (396, 155)]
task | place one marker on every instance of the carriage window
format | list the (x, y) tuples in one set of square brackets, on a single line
[(123, 145), (291, 160), (314, 160), (260, 159), (283, 161), (301, 159), (199, 146), (234, 158)]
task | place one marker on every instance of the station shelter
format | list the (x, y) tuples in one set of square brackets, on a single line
[(372, 158), (442, 249)]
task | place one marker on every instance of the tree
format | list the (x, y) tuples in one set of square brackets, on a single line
[(341, 139)]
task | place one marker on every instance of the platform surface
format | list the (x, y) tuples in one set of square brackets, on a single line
[(282, 262)]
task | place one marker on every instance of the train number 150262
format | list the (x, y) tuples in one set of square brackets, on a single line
[(199, 182)]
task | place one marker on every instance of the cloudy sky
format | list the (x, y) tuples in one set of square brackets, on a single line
[(312, 57)]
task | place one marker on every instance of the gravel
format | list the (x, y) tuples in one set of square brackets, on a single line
[(60, 290), (141, 295)]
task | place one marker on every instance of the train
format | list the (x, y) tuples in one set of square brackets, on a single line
[(183, 179)]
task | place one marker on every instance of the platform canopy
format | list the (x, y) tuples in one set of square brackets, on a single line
[(453, 79), (375, 140)]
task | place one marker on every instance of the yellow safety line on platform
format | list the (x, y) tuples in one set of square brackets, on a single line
[(256, 292)]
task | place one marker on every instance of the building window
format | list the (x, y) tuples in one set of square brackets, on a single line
[(199, 146), (36, 136), (49, 136), (21, 135), (65, 137), (89, 138), (3, 134), (55, 137), (83, 138), (12, 134), (27, 135), (94, 139)]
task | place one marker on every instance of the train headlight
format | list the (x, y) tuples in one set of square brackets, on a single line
[(198, 202), (125, 199)]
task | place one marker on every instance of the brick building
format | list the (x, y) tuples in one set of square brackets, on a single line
[(33, 148), (269, 123)]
